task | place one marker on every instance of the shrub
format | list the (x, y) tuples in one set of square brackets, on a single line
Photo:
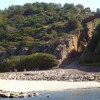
[(30, 62), (44, 60), (11, 63), (72, 24)]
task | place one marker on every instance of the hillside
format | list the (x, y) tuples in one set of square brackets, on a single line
[(91, 56), (40, 28)]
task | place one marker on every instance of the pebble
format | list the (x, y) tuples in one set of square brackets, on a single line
[(8, 94), (52, 75)]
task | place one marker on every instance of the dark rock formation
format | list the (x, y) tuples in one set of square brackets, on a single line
[(90, 18)]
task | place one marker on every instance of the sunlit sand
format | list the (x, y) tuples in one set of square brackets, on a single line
[(25, 86)]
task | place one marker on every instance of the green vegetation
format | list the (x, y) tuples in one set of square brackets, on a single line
[(22, 25), (33, 27), (29, 62), (92, 54)]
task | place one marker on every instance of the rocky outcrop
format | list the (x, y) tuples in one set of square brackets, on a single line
[(72, 41), (10, 94), (86, 33), (65, 48), (61, 47), (84, 36), (61, 51)]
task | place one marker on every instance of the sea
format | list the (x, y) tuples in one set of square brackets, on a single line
[(74, 94)]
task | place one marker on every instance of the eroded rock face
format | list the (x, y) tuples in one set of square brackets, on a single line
[(84, 36), (72, 43), (60, 48), (61, 51)]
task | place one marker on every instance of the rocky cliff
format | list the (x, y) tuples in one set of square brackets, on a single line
[(84, 36), (62, 47)]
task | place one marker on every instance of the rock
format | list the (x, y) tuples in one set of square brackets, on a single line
[(60, 51), (48, 96), (30, 95), (4, 95), (8, 94), (97, 77), (35, 94), (12, 96), (90, 77), (58, 75)]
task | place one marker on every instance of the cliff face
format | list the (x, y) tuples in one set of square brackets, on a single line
[(61, 48), (63, 51), (86, 33), (91, 56), (84, 36)]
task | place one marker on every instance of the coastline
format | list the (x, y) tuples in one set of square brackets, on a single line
[(52, 75), (32, 84), (27, 86)]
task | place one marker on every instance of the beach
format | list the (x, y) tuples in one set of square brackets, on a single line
[(25, 86), (32, 84)]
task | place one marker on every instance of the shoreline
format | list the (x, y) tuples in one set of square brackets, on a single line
[(30, 84), (51, 75), (27, 86)]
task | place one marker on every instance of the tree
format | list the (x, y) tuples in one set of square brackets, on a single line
[(95, 39), (69, 6), (72, 24), (98, 10), (87, 9), (80, 6)]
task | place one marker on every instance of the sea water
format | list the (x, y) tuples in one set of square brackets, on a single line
[(74, 94)]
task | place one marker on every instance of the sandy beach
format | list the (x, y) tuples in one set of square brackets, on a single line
[(44, 84), (25, 86)]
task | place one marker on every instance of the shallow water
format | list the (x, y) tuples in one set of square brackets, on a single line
[(75, 94)]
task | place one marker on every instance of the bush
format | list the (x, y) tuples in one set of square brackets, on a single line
[(44, 61), (72, 24), (30, 62), (10, 63)]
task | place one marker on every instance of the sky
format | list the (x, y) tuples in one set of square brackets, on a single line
[(93, 4)]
